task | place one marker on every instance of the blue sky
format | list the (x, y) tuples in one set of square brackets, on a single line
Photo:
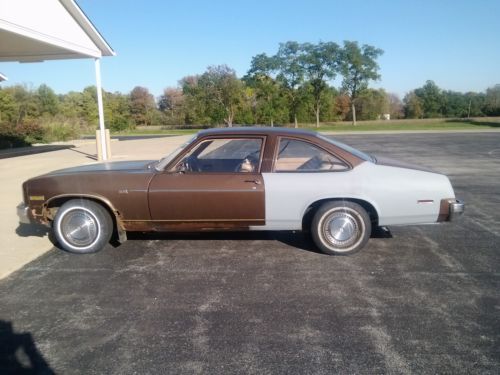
[(455, 43)]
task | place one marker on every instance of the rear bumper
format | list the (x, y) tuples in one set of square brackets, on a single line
[(23, 213), (456, 209), (451, 209)]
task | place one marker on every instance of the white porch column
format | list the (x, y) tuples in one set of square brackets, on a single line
[(100, 109)]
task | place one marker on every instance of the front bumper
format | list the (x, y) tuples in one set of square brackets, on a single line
[(23, 213), (451, 209)]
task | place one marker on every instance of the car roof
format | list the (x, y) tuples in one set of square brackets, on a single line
[(256, 130)]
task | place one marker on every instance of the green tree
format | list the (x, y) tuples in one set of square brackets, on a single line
[(8, 107), (475, 104), (195, 109), (262, 65), (432, 99), (71, 105), (27, 105), (412, 106), (246, 110), (320, 62), (89, 109), (455, 104), (117, 111), (48, 100), (371, 104), (223, 91), (291, 72), (270, 102), (358, 66), (305, 103), (492, 101)]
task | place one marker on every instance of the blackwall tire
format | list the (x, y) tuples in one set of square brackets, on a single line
[(82, 226), (340, 228)]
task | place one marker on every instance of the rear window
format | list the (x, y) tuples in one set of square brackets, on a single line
[(351, 150), (300, 156)]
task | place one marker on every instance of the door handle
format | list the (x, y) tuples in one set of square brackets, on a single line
[(256, 182)]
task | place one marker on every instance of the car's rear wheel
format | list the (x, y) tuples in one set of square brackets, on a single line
[(340, 228), (82, 226)]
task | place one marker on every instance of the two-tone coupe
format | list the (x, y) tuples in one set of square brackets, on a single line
[(240, 179)]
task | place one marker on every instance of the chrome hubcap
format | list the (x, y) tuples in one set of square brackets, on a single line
[(341, 229), (79, 228)]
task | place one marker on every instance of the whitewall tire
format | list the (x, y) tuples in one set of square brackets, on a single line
[(82, 226), (340, 228)]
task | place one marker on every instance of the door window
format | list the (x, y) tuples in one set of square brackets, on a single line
[(300, 156), (224, 155)]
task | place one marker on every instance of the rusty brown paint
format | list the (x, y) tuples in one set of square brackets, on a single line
[(187, 226), (207, 196)]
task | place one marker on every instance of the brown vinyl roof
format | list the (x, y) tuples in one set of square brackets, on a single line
[(256, 130)]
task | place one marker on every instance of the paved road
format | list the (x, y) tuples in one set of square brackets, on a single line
[(425, 301)]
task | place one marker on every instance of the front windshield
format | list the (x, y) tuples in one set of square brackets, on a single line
[(352, 150), (163, 162)]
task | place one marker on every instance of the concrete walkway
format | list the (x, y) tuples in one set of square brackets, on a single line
[(20, 244)]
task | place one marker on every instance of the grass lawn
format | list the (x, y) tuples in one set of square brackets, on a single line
[(155, 130), (484, 123)]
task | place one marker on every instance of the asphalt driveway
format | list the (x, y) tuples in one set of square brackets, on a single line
[(426, 300)]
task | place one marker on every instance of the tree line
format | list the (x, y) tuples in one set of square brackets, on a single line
[(292, 85), (295, 85)]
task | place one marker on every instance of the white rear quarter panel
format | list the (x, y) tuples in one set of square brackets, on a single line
[(393, 192)]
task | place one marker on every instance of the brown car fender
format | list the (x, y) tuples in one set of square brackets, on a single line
[(49, 212)]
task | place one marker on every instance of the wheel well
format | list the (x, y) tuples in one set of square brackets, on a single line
[(59, 201), (313, 207)]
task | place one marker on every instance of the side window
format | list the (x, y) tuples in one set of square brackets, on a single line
[(223, 155), (299, 156)]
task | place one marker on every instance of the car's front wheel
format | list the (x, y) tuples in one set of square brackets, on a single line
[(340, 228), (82, 226)]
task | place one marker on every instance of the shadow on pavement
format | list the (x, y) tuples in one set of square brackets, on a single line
[(90, 156), (19, 354), (32, 230), (21, 151), (297, 240), (381, 232)]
